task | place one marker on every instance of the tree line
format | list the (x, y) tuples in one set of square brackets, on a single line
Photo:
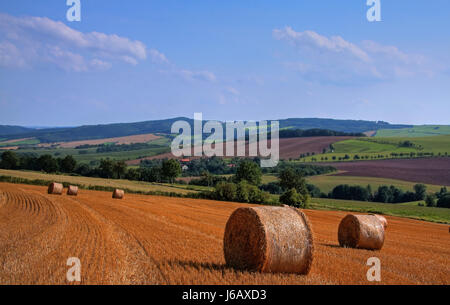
[(165, 171), (384, 193), (316, 132)]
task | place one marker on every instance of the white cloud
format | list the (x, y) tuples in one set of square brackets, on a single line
[(310, 39), (158, 57), (10, 56), (197, 75), (339, 61), (100, 64), (233, 91), (33, 40)]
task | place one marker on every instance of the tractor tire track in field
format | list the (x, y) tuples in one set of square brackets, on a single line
[(161, 240)]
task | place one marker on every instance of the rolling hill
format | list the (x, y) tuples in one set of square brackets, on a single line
[(90, 132), (7, 130), (416, 131)]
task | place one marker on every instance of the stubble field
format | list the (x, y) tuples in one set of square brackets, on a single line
[(160, 240)]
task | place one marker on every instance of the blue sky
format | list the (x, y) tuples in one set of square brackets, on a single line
[(230, 60)]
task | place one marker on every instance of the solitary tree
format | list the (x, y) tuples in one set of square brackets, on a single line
[(106, 168), (421, 191), (119, 169), (171, 169)]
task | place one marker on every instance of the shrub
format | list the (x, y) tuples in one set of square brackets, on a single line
[(249, 171), (346, 192), (444, 201), (272, 188), (225, 191), (431, 201), (292, 198), (314, 191), (243, 192)]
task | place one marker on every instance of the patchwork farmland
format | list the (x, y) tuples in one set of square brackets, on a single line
[(159, 240), (290, 148)]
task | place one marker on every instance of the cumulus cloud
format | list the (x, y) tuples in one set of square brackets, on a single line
[(34, 41), (335, 60), (27, 41)]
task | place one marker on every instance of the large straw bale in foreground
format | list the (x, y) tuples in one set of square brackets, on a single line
[(72, 190), (269, 239), (118, 194), (55, 188), (382, 219), (361, 231)]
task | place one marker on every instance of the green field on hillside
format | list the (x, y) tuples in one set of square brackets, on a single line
[(416, 131), (19, 143), (327, 183), (384, 148), (411, 210)]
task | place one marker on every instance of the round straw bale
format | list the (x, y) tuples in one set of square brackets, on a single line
[(269, 239), (361, 231), (72, 190), (118, 194), (382, 219), (55, 188)]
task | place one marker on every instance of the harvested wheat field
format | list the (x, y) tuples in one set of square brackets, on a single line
[(160, 240)]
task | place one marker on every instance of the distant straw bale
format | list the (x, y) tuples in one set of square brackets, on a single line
[(118, 194), (72, 190), (361, 231), (55, 188)]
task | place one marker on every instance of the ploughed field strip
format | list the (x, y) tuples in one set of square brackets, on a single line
[(426, 170), (161, 240)]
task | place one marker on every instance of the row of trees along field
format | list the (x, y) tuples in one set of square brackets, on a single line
[(392, 194), (392, 155), (165, 171), (218, 166), (150, 170)]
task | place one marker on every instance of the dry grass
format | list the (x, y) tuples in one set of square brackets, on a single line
[(160, 240), (87, 181)]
